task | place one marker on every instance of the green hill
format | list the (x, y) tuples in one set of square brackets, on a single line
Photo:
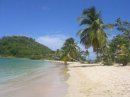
[(23, 47)]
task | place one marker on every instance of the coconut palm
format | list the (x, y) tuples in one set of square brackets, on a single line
[(93, 33), (123, 26), (120, 49), (70, 51)]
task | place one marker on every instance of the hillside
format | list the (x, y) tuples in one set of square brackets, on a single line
[(23, 47)]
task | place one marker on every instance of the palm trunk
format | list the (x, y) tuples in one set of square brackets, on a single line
[(65, 62), (97, 56)]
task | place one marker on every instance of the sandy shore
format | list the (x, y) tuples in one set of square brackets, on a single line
[(93, 80), (39, 83)]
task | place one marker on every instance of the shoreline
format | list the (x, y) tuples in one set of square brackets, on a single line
[(82, 80), (94, 80), (40, 82)]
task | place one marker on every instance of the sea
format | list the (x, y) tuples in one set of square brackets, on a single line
[(31, 78)]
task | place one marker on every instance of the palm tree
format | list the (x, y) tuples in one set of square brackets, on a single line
[(120, 49), (70, 51), (124, 27), (93, 33)]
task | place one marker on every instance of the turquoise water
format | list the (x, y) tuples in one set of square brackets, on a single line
[(31, 78), (11, 68)]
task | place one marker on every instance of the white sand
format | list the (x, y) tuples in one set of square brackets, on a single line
[(90, 80)]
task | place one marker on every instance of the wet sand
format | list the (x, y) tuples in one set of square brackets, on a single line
[(49, 84), (94, 80)]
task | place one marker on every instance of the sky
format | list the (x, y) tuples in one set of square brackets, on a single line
[(51, 22)]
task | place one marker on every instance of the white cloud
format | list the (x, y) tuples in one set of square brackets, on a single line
[(54, 42)]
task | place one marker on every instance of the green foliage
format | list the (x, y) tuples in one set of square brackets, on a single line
[(93, 34), (57, 54), (70, 51), (107, 56), (123, 55), (120, 51), (107, 60), (23, 47), (123, 26), (83, 55)]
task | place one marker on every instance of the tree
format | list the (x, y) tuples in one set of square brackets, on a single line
[(123, 26), (83, 55), (70, 51), (57, 54), (93, 33), (122, 42), (23, 47), (120, 51)]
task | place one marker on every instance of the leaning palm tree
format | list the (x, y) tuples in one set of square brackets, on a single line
[(70, 51), (93, 33)]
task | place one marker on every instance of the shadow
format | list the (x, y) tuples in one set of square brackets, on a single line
[(84, 66)]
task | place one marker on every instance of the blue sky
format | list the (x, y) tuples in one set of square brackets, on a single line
[(52, 21)]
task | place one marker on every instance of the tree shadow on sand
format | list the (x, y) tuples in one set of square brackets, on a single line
[(85, 66)]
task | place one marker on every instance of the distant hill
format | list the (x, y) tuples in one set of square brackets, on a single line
[(23, 47)]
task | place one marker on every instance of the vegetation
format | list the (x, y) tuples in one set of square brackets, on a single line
[(70, 51), (118, 49), (93, 34), (23, 47), (120, 45)]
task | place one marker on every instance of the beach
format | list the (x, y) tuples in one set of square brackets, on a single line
[(77, 80), (31, 78), (95, 80)]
